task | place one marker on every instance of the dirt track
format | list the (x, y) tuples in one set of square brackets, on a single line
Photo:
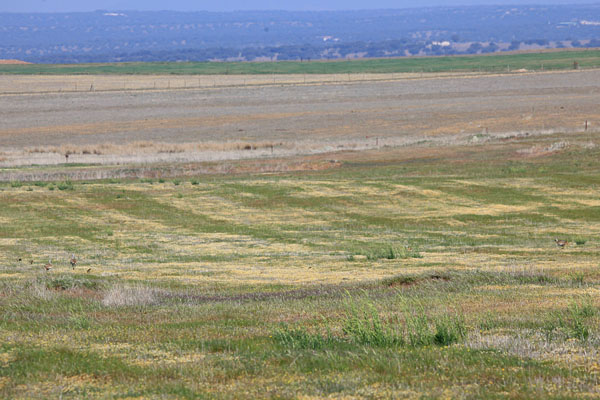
[(214, 123)]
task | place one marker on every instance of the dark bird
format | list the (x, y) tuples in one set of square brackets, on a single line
[(19, 259), (561, 243), (31, 262), (49, 265), (88, 270), (73, 261)]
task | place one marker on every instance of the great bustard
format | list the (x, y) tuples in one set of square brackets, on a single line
[(561, 243), (49, 265), (73, 261)]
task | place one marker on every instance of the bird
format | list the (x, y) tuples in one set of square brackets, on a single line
[(31, 262), (19, 259), (73, 261), (49, 265), (561, 243), (88, 270)]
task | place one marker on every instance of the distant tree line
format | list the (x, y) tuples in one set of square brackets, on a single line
[(306, 52), (105, 36)]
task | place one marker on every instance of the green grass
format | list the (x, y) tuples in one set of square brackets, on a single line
[(548, 60), (355, 281)]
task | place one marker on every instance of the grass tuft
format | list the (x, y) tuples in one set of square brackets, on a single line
[(67, 185), (571, 323), (388, 252), (120, 296), (68, 282), (300, 338), (364, 326)]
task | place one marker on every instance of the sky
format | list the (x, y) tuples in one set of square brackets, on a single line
[(232, 5)]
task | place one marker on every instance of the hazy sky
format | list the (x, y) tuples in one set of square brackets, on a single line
[(231, 5)]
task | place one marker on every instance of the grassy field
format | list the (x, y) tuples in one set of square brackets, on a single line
[(421, 272), (547, 60)]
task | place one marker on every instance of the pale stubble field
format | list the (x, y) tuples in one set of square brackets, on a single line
[(265, 121)]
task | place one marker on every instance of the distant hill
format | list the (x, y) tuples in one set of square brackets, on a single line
[(109, 36), (13, 62)]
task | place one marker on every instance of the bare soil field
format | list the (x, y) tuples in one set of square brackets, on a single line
[(124, 120)]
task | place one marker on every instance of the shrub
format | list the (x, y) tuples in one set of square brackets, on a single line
[(580, 241)]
